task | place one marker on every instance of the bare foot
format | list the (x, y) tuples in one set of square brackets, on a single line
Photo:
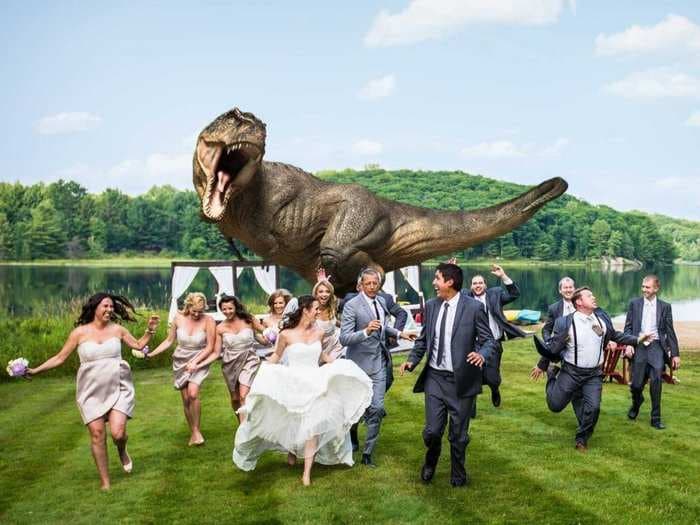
[(306, 480), (125, 459), (196, 440), (291, 459)]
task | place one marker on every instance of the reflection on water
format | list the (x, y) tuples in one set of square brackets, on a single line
[(27, 290)]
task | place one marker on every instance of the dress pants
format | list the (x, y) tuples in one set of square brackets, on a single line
[(648, 363), (441, 401), (583, 388), (492, 367), (375, 412)]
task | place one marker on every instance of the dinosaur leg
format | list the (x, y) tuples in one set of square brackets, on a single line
[(344, 249)]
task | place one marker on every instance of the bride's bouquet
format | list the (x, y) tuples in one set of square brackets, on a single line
[(17, 367), (141, 354), (270, 334)]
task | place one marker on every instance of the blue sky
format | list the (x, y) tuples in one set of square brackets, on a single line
[(604, 94)]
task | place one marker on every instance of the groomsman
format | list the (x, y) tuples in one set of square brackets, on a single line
[(363, 327), (649, 314), (493, 300), (558, 309), (458, 340), (578, 341)]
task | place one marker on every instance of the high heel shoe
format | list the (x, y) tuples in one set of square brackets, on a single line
[(128, 467)]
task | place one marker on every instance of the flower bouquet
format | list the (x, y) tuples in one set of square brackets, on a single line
[(270, 334), (17, 367), (141, 354)]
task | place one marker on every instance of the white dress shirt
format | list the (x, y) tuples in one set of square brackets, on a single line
[(649, 320), (449, 324), (493, 324), (590, 344), (568, 308), (380, 308)]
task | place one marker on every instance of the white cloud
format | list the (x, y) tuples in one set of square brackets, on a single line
[(378, 88), (678, 183), (554, 149), (67, 123), (672, 33), (655, 83), (693, 120), (134, 176), (505, 149), (429, 19), (498, 149), (367, 147)]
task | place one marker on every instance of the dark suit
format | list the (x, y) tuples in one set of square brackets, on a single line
[(496, 298), (648, 360), (576, 384), (454, 392), (554, 312), (394, 309)]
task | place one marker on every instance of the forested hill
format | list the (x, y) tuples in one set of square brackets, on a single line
[(62, 219)]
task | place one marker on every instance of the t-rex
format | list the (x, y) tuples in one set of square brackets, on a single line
[(294, 219)]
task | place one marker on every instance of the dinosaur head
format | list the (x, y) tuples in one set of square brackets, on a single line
[(229, 152)]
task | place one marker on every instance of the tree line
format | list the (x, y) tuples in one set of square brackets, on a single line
[(63, 220)]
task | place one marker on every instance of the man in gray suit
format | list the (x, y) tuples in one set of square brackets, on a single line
[(363, 329), (458, 339)]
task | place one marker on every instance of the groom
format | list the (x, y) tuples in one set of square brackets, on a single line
[(458, 340), (363, 329)]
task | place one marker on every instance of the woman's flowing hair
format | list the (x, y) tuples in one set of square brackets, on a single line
[(281, 292), (238, 306), (123, 309), (332, 304), (193, 299), (294, 318)]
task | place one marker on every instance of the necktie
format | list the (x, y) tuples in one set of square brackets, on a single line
[(441, 340), (376, 311)]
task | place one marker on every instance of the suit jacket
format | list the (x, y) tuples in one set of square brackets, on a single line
[(496, 298), (369, 352), (394, 309), (554, 312), (664, 323), (557, 344), (470, 333)]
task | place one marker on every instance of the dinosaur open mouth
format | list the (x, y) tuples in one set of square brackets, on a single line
[(228, 169)]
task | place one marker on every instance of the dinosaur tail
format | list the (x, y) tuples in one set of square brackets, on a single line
[(422, 233)]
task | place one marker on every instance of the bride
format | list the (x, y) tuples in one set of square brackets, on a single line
[(302, 409)]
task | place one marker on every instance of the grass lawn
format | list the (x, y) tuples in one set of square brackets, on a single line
[(521, 459)]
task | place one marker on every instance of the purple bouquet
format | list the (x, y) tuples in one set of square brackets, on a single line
[(141, 354), (17, 367), (270, 334)]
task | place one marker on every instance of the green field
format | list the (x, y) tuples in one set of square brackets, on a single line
[(521, 459)]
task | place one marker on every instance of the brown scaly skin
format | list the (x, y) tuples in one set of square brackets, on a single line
[(290, 217)]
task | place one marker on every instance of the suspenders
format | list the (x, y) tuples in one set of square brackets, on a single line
[(602, 339)]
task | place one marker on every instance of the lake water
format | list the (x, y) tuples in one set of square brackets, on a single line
[(42, 290)]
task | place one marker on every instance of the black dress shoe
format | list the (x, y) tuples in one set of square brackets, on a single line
[(496, 397), (633, 412), (460, 482), (426, 473), (658, 425), (367, 460)]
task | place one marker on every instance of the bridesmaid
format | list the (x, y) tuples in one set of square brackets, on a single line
[(195, 333), (234, 343), (105, 390), (276, 302), (327, 319)]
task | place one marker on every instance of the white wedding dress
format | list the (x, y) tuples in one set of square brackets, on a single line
[(288, 405)]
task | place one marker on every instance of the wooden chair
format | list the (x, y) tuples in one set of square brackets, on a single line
[(610, 365)]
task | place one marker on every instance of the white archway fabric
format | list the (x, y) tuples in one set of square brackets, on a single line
[(266, 277), (389, 283), (412, 276), (182, 278), (224, 278)]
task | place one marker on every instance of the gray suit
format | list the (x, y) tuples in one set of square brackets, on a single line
[(452, 393), (371, 354)]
